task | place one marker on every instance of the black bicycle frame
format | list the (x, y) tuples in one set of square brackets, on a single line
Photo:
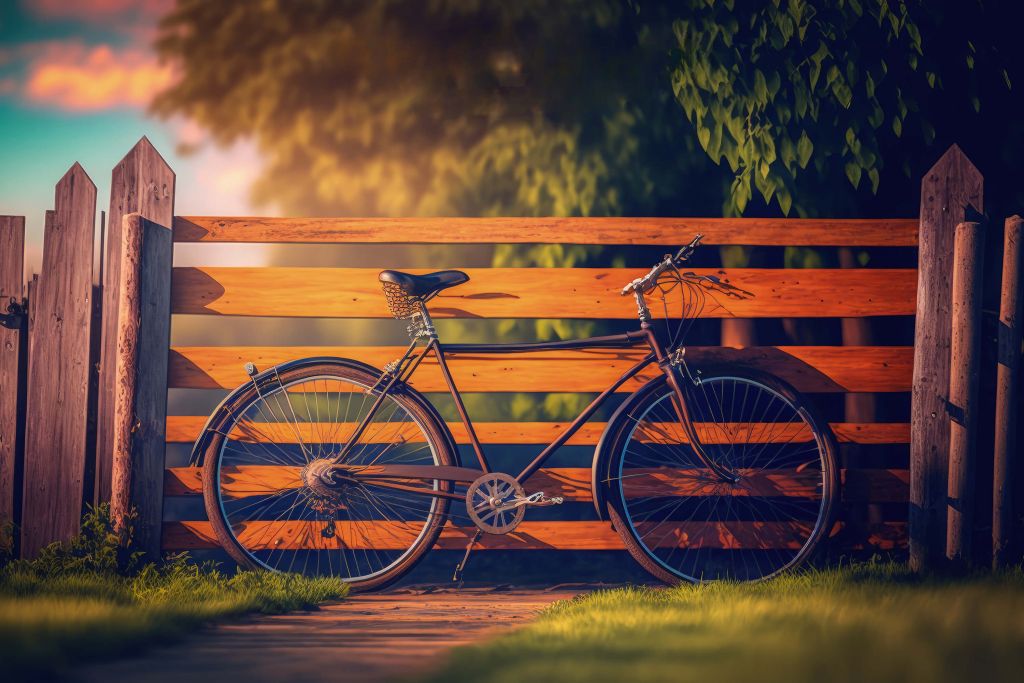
[(403, 369)]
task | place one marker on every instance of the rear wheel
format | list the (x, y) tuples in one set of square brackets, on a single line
[(267, 504), (684, 522)]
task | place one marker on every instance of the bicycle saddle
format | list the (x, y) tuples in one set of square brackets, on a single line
[(423, 285)]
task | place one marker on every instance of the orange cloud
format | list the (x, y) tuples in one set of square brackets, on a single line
[(80, 77)]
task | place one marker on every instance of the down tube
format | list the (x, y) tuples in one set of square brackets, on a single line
[(582, 418)]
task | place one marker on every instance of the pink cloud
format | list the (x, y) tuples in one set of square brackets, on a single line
[(80, 77)]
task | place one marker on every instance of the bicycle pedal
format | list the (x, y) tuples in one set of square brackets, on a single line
[(540, 500)]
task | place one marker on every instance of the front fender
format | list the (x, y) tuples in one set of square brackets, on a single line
[(605, 449)]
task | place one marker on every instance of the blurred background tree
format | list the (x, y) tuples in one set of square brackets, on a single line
[(606, 107), (444, 107)]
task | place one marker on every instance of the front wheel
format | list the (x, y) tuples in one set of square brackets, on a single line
[(684, 522), (269, 508)]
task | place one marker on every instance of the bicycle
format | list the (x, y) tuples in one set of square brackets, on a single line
[(331, 466)]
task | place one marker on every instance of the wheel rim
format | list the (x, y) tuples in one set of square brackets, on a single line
[(697, 526), (279, 512)]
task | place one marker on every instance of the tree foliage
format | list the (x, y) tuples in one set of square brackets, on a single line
[(788, 91), (444, 107)]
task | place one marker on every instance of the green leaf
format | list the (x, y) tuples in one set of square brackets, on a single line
[(703, 136), (842, 93), (785, 200), (760, 88), (897, 126), (873, 177), (804, 147), (853, 173)]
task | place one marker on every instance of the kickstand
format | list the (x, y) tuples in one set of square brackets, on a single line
[(461, 566)]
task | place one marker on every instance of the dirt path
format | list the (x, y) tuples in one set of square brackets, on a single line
[(363, 638)]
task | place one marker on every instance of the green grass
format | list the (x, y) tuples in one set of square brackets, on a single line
[(92, 599), (871, 623)]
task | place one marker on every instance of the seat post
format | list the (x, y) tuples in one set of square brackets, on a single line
[(427, 322)]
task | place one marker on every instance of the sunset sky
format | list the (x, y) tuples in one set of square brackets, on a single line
[(76, 77)]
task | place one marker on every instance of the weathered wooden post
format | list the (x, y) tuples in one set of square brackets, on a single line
[(142, 183), (965, 343), (140, 397), (1007, 392), (947, 189), (12, 338), (58, 380)]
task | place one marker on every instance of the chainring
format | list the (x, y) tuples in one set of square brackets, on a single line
[(486, 499)]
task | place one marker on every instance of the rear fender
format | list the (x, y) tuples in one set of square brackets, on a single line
[(222, 415)]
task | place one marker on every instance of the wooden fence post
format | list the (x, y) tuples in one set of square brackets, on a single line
[(1007, 392), (947, 189), (58, 382), (142, 183), (965, 352), (140, 399), (12, 384)]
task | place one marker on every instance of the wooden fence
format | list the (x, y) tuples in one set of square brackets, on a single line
[(892, 471)]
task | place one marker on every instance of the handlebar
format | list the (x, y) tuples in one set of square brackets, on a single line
[(647, 282)]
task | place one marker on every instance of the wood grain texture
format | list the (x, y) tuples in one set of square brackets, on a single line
[(58, 380), (964, 362), (140, 406), (574, 483), (539, 293), (186, 429), (12, 284), (897, 232), (807, 368), (187, 535), (951, 186), (1011, 305), (142, 183), (125, 368)]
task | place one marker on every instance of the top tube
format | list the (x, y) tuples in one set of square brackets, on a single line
[(613, 341)]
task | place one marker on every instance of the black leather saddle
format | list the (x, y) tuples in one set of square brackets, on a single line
[(423, 286)]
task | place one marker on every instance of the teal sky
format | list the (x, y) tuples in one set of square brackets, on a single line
[(75, 80)]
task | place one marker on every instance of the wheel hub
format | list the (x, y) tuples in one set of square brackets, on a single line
[(324, 490)]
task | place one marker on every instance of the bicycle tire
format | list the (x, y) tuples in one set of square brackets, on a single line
[(415, 406), (721, 536)]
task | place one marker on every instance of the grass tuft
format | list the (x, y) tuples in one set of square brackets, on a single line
[(91, 598), (872, 622)]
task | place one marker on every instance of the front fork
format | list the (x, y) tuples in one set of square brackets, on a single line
[(676, 379)]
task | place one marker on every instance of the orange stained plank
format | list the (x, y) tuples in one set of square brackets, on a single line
[(574, 483), (539, 293), (409, 432), (186, 429), (807, 368), (887, 232), (529, 536)]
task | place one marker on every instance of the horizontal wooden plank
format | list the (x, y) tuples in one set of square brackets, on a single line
[(574, 483), (529, 536), (886, 232), (541, 293), (186, 429), (807, 368)]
